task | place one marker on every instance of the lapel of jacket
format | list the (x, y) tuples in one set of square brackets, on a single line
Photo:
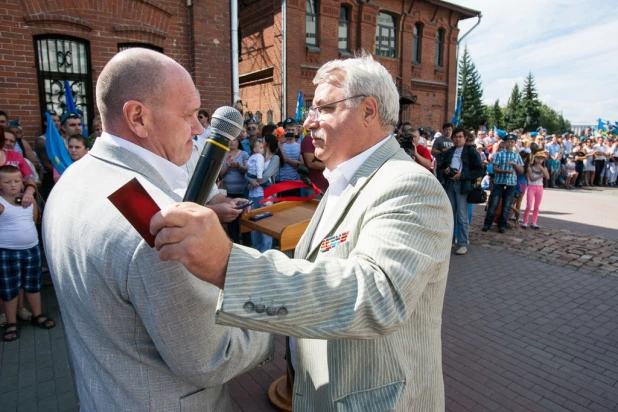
[(359, 180), (123, 158)]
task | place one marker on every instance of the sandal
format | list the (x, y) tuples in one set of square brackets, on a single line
[(10, 335), (43, 324)]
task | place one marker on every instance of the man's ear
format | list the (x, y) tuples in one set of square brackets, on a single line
[(370, 110), (136, 115)]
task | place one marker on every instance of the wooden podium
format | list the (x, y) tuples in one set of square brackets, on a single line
[(287, 224)]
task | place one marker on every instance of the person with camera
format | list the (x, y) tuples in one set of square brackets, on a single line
[(409, 141), (461, 165)]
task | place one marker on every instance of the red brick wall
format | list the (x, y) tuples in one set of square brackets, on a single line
[(434, 87), (163, 23)]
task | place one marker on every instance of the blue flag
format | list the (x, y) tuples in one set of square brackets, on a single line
[(56, 150), (300, 107), (68, 96), (457, 118)]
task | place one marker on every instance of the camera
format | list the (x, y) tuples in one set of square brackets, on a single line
[(451, 173), (291, 134), (405, 142), (18, 200)]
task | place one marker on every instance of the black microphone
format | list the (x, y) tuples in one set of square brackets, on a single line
[(226, 125)]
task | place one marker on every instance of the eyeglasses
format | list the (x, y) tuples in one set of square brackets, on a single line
[(200, 117), (314, 111), (252, 128)]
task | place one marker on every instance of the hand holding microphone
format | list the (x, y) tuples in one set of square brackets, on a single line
[(226, 125)]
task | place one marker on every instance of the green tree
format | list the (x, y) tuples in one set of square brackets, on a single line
[(514, 117), (496, 116), (530, 104), (470, 87)]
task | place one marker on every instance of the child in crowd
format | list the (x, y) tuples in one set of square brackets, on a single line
[(20, 258), (255, 169), (536, 174), (569, 173)]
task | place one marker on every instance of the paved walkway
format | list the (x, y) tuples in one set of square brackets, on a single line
[(525, 329)]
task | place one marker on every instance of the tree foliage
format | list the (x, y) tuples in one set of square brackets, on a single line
[(530, 104), (514, 117), (470, 87), (553, 121), (495, 116)]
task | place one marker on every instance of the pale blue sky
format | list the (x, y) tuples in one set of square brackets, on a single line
[(571, 46)]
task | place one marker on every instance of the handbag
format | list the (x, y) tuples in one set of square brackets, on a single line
[(477, 194)]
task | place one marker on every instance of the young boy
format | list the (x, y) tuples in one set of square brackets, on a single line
[(20, 259)]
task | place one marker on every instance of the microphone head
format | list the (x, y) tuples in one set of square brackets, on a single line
[(227, 122)]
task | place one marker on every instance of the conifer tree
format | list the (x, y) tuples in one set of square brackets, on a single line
[(469, 85), (496, 116), (530, 104), (514, 117)]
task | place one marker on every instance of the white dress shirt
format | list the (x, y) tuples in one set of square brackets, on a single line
[(176, 178)]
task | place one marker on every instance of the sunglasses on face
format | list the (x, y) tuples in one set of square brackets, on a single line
[(252, 128), (200, 117)]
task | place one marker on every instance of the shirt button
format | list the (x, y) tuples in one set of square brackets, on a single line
[(249, 306), (282, 312)]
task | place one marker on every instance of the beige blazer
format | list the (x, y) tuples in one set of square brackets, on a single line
[(141, 332), (368, 311)]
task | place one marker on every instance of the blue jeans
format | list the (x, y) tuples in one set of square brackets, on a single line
[(507, 194), (259, 241), (459, 203), (470, 208)]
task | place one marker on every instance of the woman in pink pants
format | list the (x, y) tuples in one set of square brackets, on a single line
[(536, 173)]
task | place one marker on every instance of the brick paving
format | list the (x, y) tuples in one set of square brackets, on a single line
[(525, 329)]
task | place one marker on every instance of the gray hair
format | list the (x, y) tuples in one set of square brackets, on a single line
[(365, 76)]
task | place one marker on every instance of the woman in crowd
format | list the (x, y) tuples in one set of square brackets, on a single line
[(232, 173), (579, 156), (11, 157), (536, 174), (589, 168), (601, 151), (78, 148), (272, 163)]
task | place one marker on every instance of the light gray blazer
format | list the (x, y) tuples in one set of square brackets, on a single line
[(142, 332), (368, 311)]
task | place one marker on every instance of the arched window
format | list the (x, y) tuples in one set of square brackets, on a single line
[(417, 43), (269, 116), (344, 29), (386, 36), (311, 23), (60, 58), (440, 48), (258, 116)]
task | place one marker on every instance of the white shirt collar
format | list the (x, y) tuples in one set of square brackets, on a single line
[(339, 178), (176, 178)]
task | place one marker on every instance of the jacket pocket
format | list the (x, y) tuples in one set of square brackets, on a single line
[(380, 399)]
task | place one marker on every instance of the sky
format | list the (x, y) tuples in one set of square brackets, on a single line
[(571, 47)]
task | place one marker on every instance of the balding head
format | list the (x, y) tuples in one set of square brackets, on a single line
[(133, 74), (150, 100)]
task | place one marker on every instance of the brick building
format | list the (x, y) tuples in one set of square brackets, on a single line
[(415, 40), (44, 42)]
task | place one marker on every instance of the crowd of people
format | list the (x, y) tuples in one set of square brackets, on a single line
[(512, 166)]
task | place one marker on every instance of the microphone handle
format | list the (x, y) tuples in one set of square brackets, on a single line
[(206, 171)]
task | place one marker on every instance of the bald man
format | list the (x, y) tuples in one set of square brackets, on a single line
[(141, 331)]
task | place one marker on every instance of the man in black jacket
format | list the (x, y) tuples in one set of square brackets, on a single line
[(461, 165)]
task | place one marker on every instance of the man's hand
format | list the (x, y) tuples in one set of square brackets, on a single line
[(457, 175), (192, 235), (226, 212)]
